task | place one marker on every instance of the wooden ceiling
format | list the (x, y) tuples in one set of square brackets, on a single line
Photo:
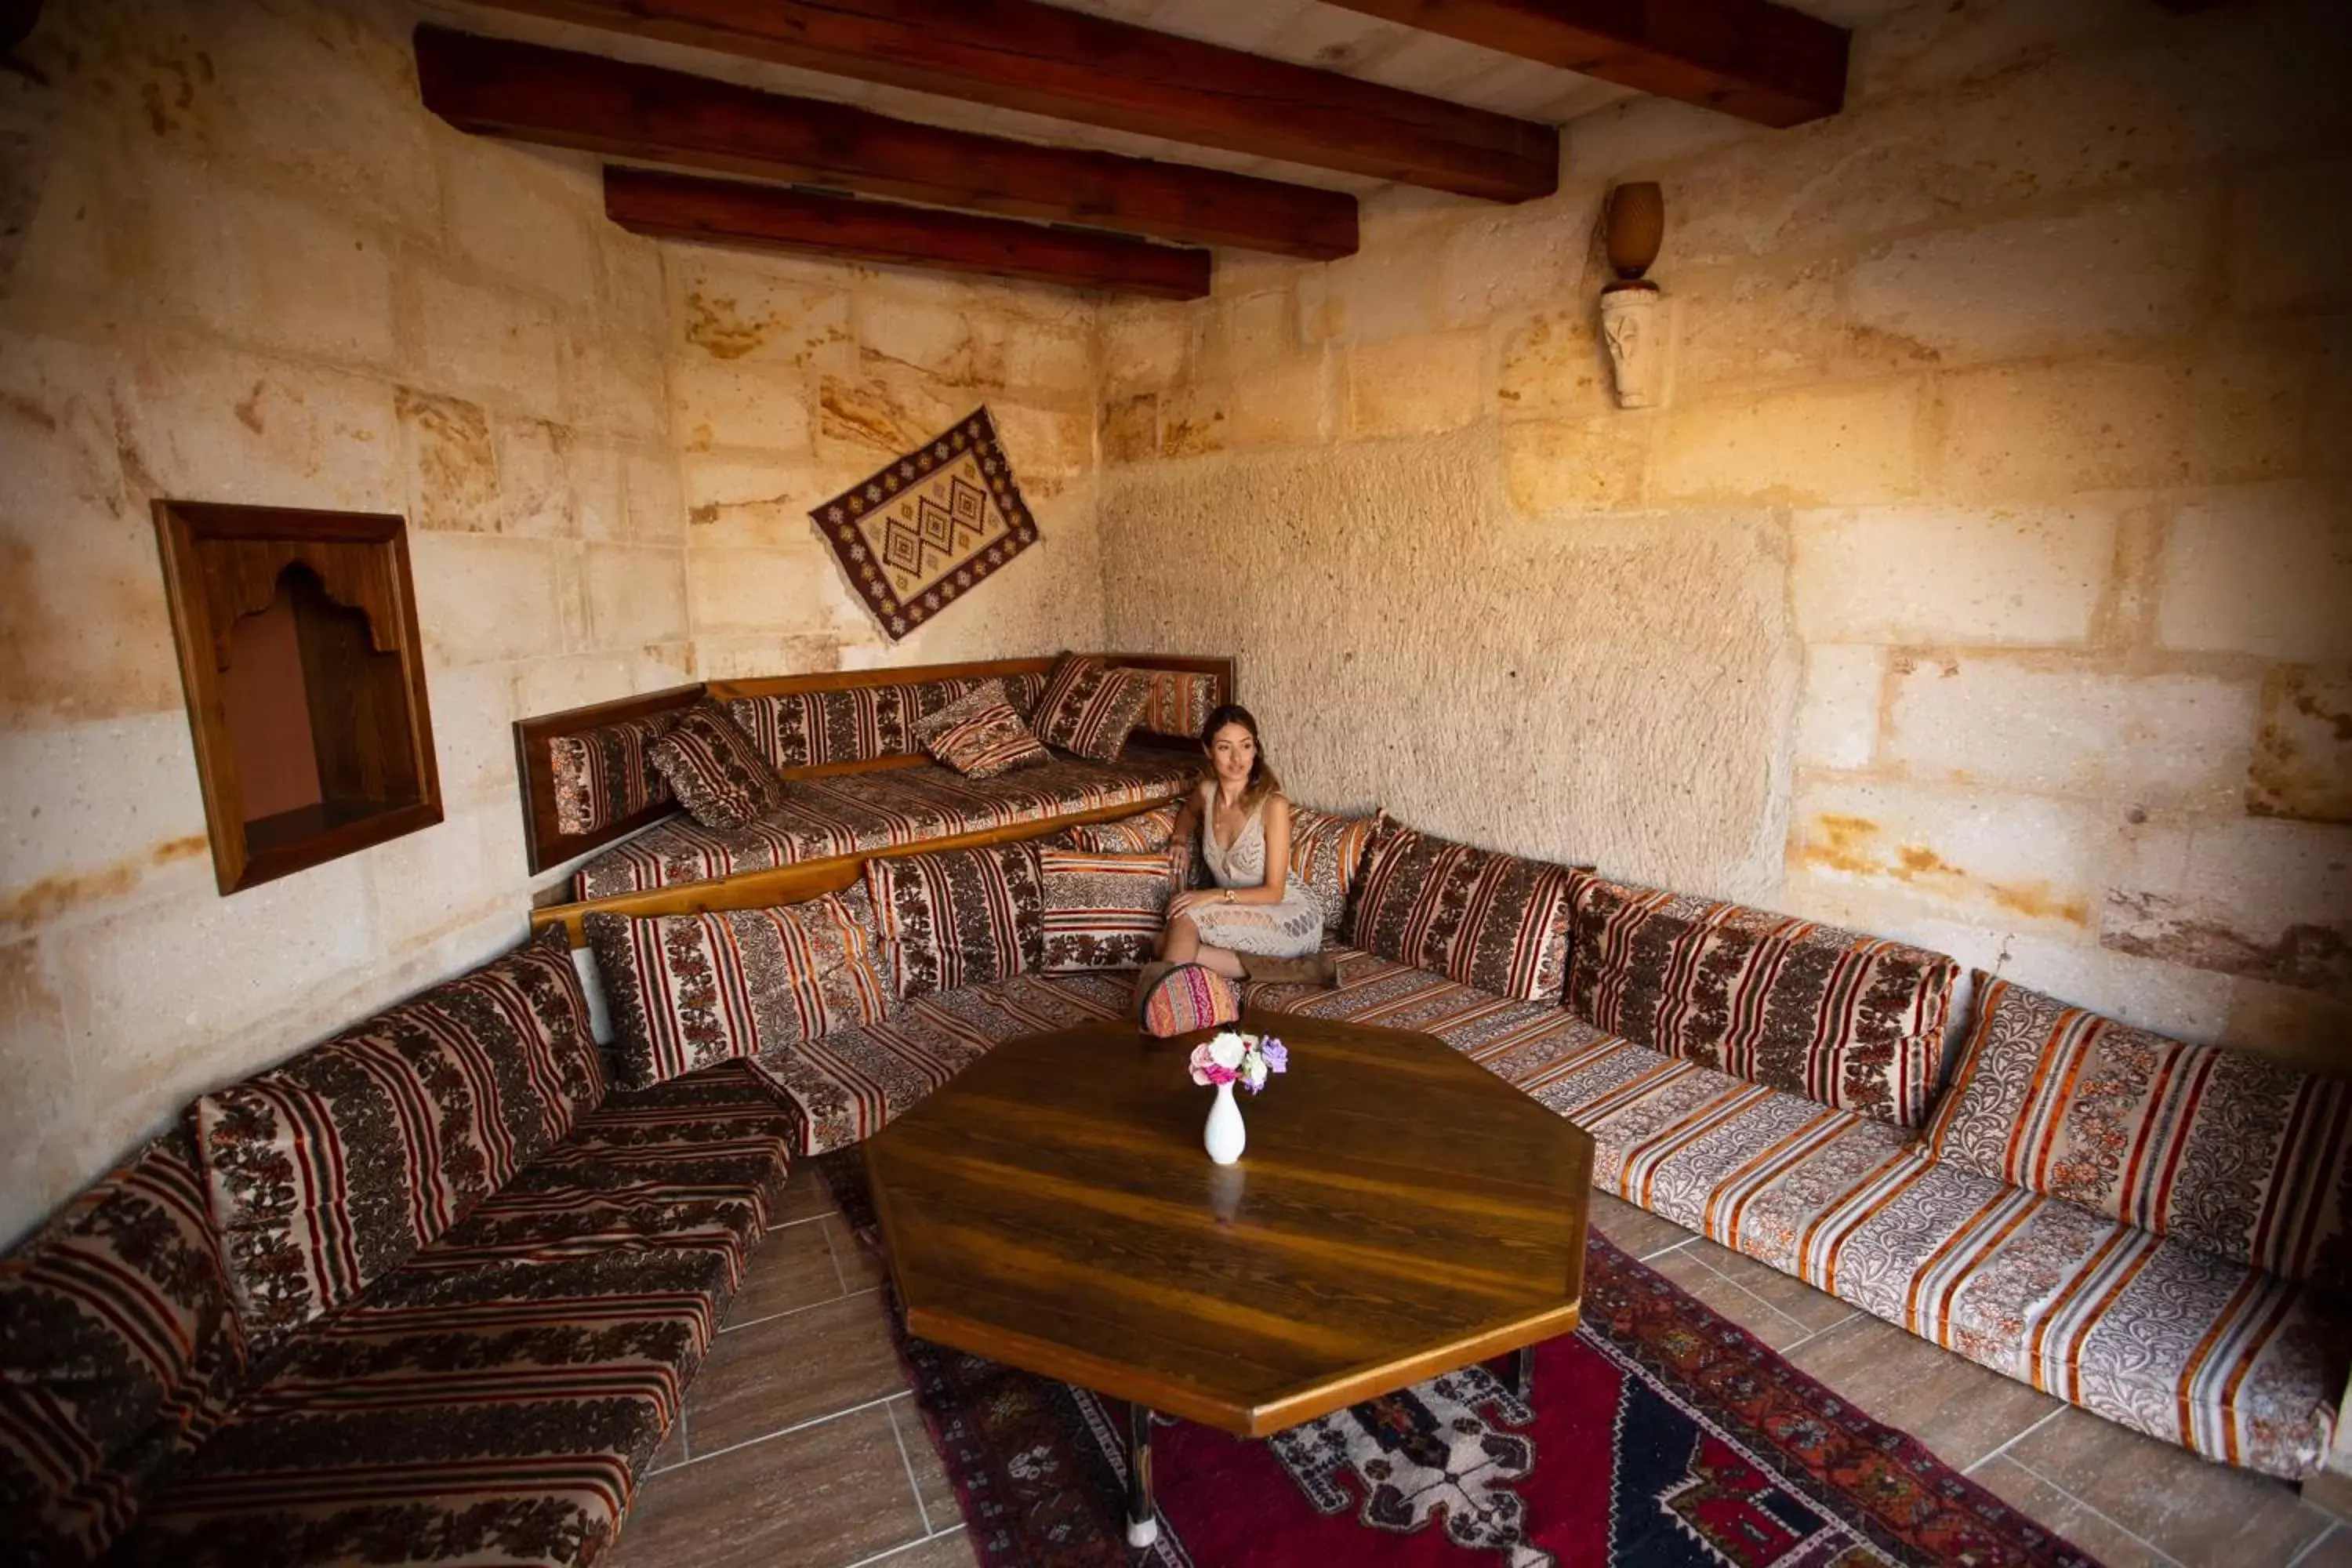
[(1243, 147)]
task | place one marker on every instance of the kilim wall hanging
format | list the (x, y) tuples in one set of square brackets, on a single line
[(923, 530)]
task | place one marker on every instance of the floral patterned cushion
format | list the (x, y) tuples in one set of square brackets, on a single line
[(605, 775), (714, 769), (1137, 834), (1496, 922), (120, 1355), (1177, 701), (688, 990), (992, 742), (1090, 707), (329, 1170), (1842, 1019), (1102, 912), (2240, 1156), (958, 918), (1327, 852)]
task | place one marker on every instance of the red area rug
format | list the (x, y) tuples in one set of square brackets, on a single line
[(1659, 1435)]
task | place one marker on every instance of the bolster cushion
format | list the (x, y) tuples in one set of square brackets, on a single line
[(1143, 833), (334, 1167), (1177, 701), (860, 724), (2240, 1156), (1482, 918), (1842, 1019), (960, 918), (692, 990)]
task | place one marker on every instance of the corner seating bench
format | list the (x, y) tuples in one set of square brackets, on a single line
[(432, 1289)]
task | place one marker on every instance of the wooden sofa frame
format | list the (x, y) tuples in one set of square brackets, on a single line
[(549, 845)]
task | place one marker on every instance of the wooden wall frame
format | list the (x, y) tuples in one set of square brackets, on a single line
[(378, 776)]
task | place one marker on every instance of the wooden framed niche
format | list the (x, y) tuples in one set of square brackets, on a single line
[(305, 681)]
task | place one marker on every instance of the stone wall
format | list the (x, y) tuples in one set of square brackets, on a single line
[(239, 263), (1985, 579)]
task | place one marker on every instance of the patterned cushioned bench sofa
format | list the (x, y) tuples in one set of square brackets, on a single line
[(1776, 1085), (427, 1291), (856, 780)]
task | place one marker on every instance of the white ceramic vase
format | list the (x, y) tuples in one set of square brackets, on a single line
[(1224, 1134)]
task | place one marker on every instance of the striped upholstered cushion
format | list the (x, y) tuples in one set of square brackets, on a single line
[(119, 1354), (714, 769), (1177, 701), (1326, 853), (1841, 1019), (688, 990), (330, 1170), (990, 742), (604, 774), (959, 918), (1102, 912), (494, 1400), (1478, 916), (1138, 834), (1089, 707), (2240, 1156)]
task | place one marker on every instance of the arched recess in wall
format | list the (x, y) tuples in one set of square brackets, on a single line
[(305, 682)]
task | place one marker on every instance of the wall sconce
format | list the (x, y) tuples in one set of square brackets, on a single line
[(1631, 323)]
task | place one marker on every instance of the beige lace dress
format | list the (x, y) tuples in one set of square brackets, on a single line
[(1291, 929)]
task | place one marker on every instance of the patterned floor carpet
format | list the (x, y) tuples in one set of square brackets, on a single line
[(1658, 1434)]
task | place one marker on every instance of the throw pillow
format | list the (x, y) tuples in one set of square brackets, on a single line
[(1840, 1018), (979, 699), (1102, 912), (958, 918), (1089, 707), (689, 990), (1137, 834), (992, 742), (1326, 853), (1496, 922), (2235, 1154), (714, 769)]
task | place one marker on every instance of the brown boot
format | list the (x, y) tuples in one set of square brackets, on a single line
[(1315, 968)]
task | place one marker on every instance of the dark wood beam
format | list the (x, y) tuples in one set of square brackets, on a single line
[(771, 218), (1020, 54), (495, 86), (1746, 58)]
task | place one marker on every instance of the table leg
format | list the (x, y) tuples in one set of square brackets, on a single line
[(1523, 1372), (1142, 1523)]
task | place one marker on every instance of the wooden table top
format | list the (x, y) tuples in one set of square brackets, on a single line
[(1399, 1212)]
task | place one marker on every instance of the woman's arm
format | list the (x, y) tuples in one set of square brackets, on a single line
[(1179, 837)]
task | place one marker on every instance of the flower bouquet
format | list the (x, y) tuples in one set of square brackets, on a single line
[(1223, 1061)]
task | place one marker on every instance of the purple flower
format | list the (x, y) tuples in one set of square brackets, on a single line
[(1277, 1055)]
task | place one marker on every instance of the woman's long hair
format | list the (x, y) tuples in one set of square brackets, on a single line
[(1262, 782)]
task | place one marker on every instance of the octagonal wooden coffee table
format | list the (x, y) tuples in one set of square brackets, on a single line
[(1399, 1213)]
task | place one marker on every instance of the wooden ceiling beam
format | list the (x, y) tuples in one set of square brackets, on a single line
[(1751, 58), (495, 86), (1022, 54), (771, 217)]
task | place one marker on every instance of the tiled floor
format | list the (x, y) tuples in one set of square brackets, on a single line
[(801, 1447)]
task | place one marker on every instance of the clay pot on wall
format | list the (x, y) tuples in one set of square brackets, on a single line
[(1631, 314)]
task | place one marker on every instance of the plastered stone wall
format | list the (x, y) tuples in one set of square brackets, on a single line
[(1985, 579), (239, 263)]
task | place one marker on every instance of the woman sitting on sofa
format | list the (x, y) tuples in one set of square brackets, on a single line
[(1258, 922)]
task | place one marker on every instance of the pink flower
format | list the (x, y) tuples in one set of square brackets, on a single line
[(1206, 1069)]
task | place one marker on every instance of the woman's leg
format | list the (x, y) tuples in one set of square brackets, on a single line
[(1223, 960), (1180, 939)]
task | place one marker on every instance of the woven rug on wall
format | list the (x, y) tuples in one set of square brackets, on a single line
[(926, 529), (1659, 1435)]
